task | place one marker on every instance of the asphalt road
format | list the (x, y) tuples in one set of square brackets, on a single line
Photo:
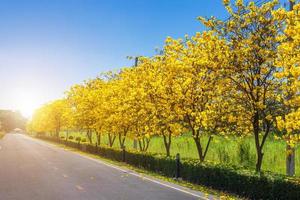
[(34, 170)]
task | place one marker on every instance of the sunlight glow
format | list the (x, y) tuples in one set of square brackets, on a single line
[(26, 102)]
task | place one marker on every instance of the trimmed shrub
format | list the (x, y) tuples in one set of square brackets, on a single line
[(78, 139), (71, 137)]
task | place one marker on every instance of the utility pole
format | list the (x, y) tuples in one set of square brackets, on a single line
[(136, 60), (135, 65), (292, 3), (290, 151)]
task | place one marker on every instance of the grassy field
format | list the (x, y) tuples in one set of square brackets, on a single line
[(232, 151)]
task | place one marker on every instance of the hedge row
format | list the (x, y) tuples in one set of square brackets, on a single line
[(232, 179)]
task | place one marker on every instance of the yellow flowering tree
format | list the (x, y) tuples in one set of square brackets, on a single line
[(114, 112), (50, 118), (197, 84), (138, 104), (39, 122), (288, 62), (83, 101), (160, 98), (251, 33)]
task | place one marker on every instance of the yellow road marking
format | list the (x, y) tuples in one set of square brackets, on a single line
[(78, 187)]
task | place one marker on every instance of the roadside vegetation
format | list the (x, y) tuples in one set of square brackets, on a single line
[(232, 150), (10, 120)]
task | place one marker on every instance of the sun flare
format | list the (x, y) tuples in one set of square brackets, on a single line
[(26, 102), (27, 107)]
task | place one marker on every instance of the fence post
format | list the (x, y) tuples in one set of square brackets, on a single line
[(123, 154), (290, 160), (178, 164)]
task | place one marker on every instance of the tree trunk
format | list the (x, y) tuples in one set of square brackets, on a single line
[(207, 146), (89, 134), (167, 141), (147, 143), (57, 133), (197, 140), (144, 144), (259, 160), (67, 135), (98, 139), (259, 153), (111, 139), (199, 148), (122, 141)]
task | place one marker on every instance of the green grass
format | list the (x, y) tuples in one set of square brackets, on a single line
[(221, 151)]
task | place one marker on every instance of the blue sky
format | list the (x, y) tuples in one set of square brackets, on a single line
[(48, 45)]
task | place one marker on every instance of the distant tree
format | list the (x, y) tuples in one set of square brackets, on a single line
[(51, 118), (11, 120)]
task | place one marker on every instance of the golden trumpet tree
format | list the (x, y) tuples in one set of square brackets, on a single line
[(160, 99), (138, 106), (193, 73), (50, 118), (84, 102), (111, 113), (58, 117), (251, 33), (119, 120), (97, 95), (39, 121), (288, 62)]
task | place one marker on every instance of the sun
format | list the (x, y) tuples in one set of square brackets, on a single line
[(26, 102), (27, 107)]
